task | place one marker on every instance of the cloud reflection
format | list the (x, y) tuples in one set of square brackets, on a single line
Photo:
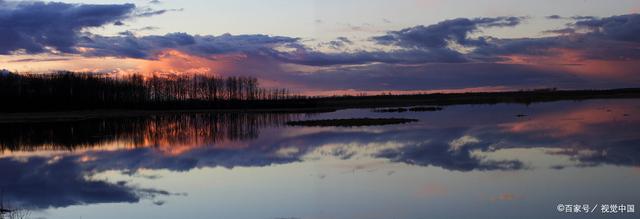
[(457, 139), (39, 182)]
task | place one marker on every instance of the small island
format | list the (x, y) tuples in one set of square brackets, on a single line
[(351, 122)]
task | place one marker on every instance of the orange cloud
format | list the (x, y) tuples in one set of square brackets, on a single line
[(165, 62), (576, 62), (176, 62), (47, 63)]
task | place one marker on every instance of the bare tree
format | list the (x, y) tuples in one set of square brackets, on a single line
[(76, 91)]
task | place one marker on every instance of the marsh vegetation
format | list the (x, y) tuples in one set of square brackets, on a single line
[(69, 91)]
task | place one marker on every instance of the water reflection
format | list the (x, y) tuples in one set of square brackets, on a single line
[(61, 164), (170, 132), (59, 182), (48, 178)]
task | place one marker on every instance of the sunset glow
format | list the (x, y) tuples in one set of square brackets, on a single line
[(319, 109), (563, 48)]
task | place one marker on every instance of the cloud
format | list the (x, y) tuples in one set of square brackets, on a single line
[(620, 28), (147, 46), (148, 12), (577, 132), (439, 35), (38, 27), (291, 50), (146, 28), (419, 44), (554, 17), (587, 40), (338, 43), (40, 60), (305, 56), (435, 151), (41, 183), (183, 151), (457, 41), (421, 147), (149, 158), (563, 31), (584, 132), (381, 77), (587, 49)]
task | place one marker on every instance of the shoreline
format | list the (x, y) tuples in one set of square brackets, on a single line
[(62, 116), (331, 104)]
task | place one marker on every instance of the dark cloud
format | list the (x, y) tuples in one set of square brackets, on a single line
[(58, 26), (563, 31), (379, 77), (554, 17), (416, 45), (558, 17), (46, 182), (417, 57), (40, 60), (439, 35), (583, 17), (33, 27), (610, 38), (435, 37), (522, 46), (305, 56), (148, 12), (133, 32), (339, 42), (620, 28), (147, 46), (146, 28), (401, 59), (420, 44)]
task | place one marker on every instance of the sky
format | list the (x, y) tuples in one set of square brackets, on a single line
[(335, 47)]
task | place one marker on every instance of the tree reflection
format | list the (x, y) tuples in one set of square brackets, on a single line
[(161, 131)]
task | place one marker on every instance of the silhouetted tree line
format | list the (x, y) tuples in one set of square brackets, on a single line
[(73, 91), (76, 91)]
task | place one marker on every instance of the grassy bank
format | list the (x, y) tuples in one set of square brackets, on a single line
[(328, 104), (68, 91)]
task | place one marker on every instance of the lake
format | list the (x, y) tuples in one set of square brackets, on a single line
[(465, 161)]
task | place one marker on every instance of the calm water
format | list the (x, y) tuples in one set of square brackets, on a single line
[(463, 162)]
